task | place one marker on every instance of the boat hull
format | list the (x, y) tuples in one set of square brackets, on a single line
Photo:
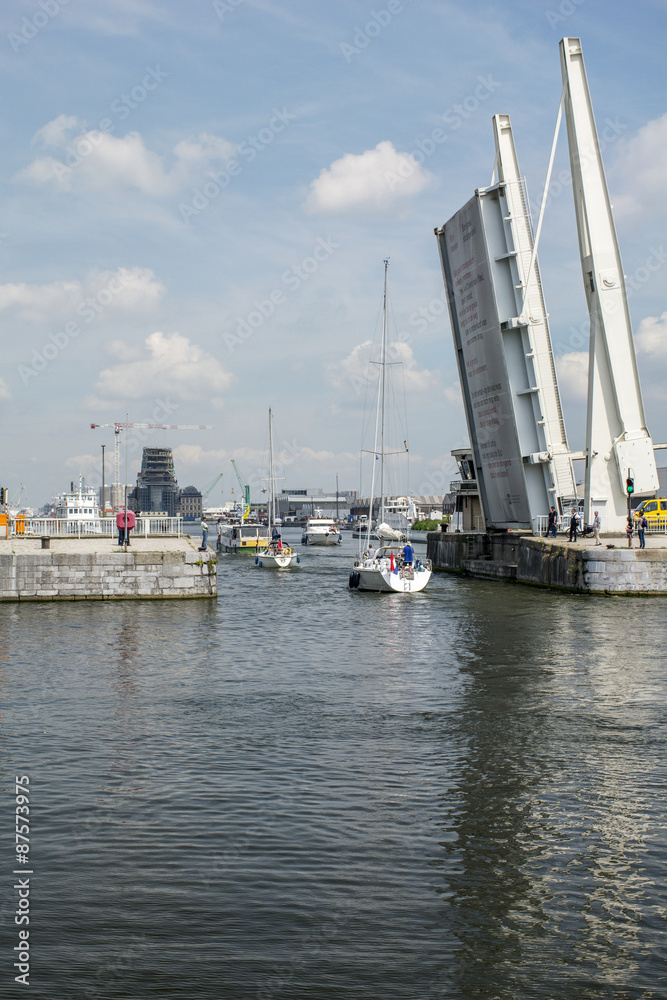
[(329, 539), (276, 560), (385, 581)]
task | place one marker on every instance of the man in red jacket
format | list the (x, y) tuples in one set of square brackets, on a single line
[(123, 528)]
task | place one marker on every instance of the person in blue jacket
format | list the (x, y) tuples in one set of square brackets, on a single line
[(408, 556)]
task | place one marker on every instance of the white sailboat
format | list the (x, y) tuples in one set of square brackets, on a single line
[(275, 555), (392, 568)]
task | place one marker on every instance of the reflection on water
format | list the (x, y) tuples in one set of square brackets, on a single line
[(302, 791)]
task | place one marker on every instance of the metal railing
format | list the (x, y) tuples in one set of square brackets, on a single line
[(657, 526), (61, 527)]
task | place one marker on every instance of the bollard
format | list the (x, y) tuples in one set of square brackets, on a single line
[(46, 542)]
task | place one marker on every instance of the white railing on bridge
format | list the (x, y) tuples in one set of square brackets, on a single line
[(61, 527)]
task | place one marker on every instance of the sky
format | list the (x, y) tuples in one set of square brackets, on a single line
[(197, 199)]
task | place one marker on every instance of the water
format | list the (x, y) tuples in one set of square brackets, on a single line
[(305, 792)]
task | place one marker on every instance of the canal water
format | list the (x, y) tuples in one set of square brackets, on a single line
[(300, 791)]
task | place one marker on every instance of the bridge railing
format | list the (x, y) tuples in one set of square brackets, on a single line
[(61, 527), (657, 526)]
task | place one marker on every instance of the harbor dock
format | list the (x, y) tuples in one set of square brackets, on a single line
[(79, 569), (611, 568)]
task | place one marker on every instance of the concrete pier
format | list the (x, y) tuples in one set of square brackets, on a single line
[(94, 569), (611, 568)]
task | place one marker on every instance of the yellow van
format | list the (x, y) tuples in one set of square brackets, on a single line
[(652, 510)]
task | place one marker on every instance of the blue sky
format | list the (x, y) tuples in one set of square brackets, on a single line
[(196, 205)]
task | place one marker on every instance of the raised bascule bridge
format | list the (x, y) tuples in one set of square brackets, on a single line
[(488, 251)]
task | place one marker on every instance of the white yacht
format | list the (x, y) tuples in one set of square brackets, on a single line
[(320, 530)]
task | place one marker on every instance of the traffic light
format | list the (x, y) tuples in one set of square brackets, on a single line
[(3, 494), (630, 485)]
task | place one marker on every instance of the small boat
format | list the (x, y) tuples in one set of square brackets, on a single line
[(275, 555), (320, 530), (391, 569), (243, 536)]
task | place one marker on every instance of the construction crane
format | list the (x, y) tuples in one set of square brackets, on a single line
[(118, 427), (209, 488), (246, 491)]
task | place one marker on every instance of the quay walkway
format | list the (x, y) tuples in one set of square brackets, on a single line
[(610, 568)]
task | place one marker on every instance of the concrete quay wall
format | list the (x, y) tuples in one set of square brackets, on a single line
[(74, 576), (550, 563)]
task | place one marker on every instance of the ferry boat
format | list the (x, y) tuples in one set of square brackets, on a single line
[(242, 537), (80, 508)]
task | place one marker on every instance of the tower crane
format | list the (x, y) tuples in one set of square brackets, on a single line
[(118, 426), (246, 490)]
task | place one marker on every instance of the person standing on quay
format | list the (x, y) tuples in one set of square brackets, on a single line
[(551, 524), (574, 524), (641, 528), (597, 524), (628, 532), (204, 534), (125, 521)]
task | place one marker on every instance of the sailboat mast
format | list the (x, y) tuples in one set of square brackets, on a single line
[(383, 362), (270, 511)]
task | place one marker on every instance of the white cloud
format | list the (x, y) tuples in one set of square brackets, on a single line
[(572, 372), (174, 367), (638, 178), (4, 390), (38, 302), (131, 289), (372, 180), (355, 371), (453, 393), (651, 337), (101, 161), (55, 133)]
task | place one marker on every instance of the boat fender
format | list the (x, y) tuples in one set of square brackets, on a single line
[(298, 559), (354, 581), (256, 560), (259, 563)]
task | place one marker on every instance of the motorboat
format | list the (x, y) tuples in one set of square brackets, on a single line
[(243, 536), (320, 530)]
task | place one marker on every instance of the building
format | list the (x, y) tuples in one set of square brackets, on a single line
[(157, 489), (191, 503), (114, 497), (468, 514)]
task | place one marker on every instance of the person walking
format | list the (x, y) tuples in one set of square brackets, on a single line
[(641, 528), (551, 524), (597, 524), (204, 534), (574, 524)]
